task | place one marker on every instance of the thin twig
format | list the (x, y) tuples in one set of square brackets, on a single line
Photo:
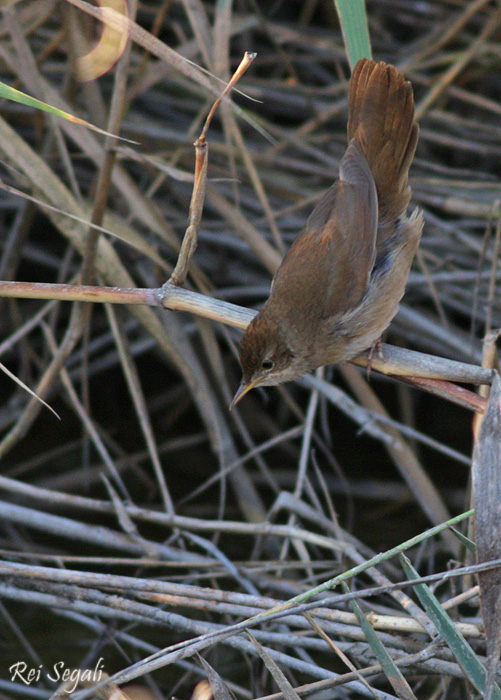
[(190, 240)]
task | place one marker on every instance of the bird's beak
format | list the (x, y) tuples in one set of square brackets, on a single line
[(243, 389)]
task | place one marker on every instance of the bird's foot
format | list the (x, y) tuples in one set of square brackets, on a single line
[(377, 345)]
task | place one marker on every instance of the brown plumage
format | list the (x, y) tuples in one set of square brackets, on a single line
[(340, 284)]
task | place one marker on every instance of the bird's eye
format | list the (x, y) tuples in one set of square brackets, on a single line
[(267, 364)]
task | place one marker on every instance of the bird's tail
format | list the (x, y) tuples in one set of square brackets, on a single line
[(381, 119)]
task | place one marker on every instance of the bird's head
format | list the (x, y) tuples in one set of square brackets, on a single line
[(265, 358)]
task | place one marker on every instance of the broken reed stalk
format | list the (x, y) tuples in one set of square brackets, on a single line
[(190, 239)]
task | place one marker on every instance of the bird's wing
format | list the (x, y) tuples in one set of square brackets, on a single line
[(332, 258)]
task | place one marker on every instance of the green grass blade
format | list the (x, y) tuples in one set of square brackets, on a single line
[(464, 654), (10, 93), (392, 672), (465, 541), (353, 20)]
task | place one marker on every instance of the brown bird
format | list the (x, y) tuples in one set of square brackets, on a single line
[(340, 284)]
